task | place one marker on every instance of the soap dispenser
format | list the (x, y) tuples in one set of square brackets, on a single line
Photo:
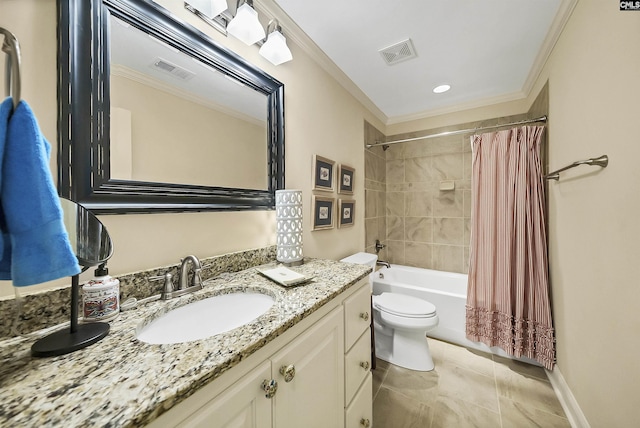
[(101, 296)]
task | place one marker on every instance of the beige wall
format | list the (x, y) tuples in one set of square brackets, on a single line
[(320, 118), (594, 94)]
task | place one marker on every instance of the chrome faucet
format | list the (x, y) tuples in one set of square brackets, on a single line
[(184, 273), (383, 263)]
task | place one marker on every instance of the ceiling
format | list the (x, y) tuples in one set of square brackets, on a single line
[(488, 51)]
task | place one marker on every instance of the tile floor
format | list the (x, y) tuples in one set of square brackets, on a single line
[(466, 389)]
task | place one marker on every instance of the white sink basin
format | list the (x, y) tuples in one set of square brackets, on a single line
[(205, 318)]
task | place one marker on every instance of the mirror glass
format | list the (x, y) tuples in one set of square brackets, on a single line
[(178, 120), (154, 116), (89, 238)]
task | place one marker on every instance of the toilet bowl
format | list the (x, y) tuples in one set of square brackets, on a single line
[(400, 324)]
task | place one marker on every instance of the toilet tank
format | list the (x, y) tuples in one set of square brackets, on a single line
[(362, 259)]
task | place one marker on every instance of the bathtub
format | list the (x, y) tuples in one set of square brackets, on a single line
[(446, 290)]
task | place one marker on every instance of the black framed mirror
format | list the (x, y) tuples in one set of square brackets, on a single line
[(85, 30)]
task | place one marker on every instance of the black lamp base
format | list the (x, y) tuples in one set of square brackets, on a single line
[(64, 341), (76, 337)]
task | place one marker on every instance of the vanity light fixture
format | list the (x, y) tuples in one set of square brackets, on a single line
[(210, 8), (245, 26), (275, 48), (442, 88)]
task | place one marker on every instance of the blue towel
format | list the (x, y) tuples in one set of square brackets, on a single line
[(40, 249), (5, 113)]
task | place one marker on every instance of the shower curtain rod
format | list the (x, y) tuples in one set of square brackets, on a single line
[(461, 131)]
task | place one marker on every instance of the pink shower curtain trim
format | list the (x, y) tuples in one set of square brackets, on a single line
[(508, 292)]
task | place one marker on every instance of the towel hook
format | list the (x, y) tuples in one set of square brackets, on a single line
[(11, 47)]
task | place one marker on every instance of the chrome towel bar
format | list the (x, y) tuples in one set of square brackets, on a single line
[(601, 161), (11, 47)]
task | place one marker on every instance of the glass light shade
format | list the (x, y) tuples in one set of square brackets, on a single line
[(245, 26), (289, 227), (210, 8), (275, 49)]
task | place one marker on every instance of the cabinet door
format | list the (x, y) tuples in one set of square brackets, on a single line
[(243, 405), (314, 397)]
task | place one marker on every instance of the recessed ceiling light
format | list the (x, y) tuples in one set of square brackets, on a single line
[(442, 88)]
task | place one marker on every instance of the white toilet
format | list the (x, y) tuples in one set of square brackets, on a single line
[(400, 323)]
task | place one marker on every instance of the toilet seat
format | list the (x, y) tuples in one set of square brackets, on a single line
[(404, 306)]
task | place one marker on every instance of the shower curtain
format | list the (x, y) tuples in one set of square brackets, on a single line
[(508, 291)]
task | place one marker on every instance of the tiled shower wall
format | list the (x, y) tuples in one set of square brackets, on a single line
[(375, 189), (428, 227), (420, 224)]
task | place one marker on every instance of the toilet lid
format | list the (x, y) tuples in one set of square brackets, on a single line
[(403, 305)]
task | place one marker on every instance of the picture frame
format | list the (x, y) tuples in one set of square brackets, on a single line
[(323, 173), (346, 175), (323, 212), (346, 212)]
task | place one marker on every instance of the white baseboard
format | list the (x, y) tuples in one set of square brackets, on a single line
[(567, 400)]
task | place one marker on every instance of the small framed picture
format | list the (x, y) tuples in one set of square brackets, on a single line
[(323, 212), (346, 208), (345, 179), (323, 173)]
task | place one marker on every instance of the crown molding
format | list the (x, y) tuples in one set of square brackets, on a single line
[(484, 102), (557, 26)]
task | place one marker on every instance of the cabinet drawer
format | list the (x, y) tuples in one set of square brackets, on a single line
[(357, 315), (360, 413), (357, 365)]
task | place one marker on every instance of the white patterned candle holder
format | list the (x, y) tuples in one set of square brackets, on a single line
[(289, 227)]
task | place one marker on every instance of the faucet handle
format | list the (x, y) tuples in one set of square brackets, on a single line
[(167, 287)]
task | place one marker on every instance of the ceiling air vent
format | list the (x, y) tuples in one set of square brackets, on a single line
[(399, 52), (174, 70)]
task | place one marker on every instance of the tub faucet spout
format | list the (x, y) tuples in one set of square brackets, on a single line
[(383, 263)]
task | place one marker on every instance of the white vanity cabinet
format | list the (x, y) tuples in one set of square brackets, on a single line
[(308, 365), (302, 381)]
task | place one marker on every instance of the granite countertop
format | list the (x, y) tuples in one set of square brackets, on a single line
[(121, 382)]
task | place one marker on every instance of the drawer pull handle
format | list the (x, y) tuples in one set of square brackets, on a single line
[(289, 372), (364, 316), (365, 365), (270, 387), (366, 423)]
